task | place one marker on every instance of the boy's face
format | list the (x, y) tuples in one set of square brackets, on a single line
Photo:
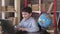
[(26, 15)]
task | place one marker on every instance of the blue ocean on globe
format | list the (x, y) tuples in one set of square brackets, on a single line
[(43, 21)]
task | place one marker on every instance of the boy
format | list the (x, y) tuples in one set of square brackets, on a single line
[(28, 23)]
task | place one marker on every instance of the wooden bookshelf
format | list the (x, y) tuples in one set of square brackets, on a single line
[(10, 6)]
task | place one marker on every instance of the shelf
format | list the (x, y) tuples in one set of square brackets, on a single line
[(5, 14), (8, 11), (36, 11)]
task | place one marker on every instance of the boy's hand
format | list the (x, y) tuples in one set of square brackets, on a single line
[(23, 29)]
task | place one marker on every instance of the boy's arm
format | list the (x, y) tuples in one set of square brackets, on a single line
[(18, 27), (34, 27), (20, 24)]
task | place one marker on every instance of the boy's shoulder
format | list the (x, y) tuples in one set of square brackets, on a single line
[(31, 18)]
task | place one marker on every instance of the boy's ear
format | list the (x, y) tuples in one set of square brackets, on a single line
[(30, 14)]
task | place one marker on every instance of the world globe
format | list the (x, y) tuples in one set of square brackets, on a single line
[(43, 21)]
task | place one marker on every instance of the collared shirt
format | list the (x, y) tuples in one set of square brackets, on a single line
[(30, 24)]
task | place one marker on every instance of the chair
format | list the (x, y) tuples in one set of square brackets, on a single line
[(7, 26)]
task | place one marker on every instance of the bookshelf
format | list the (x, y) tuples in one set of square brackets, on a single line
[(8, 10)]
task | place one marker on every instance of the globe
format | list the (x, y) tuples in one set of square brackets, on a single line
[(43, 21)]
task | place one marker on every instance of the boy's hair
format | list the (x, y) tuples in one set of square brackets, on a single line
[(27, 9)]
